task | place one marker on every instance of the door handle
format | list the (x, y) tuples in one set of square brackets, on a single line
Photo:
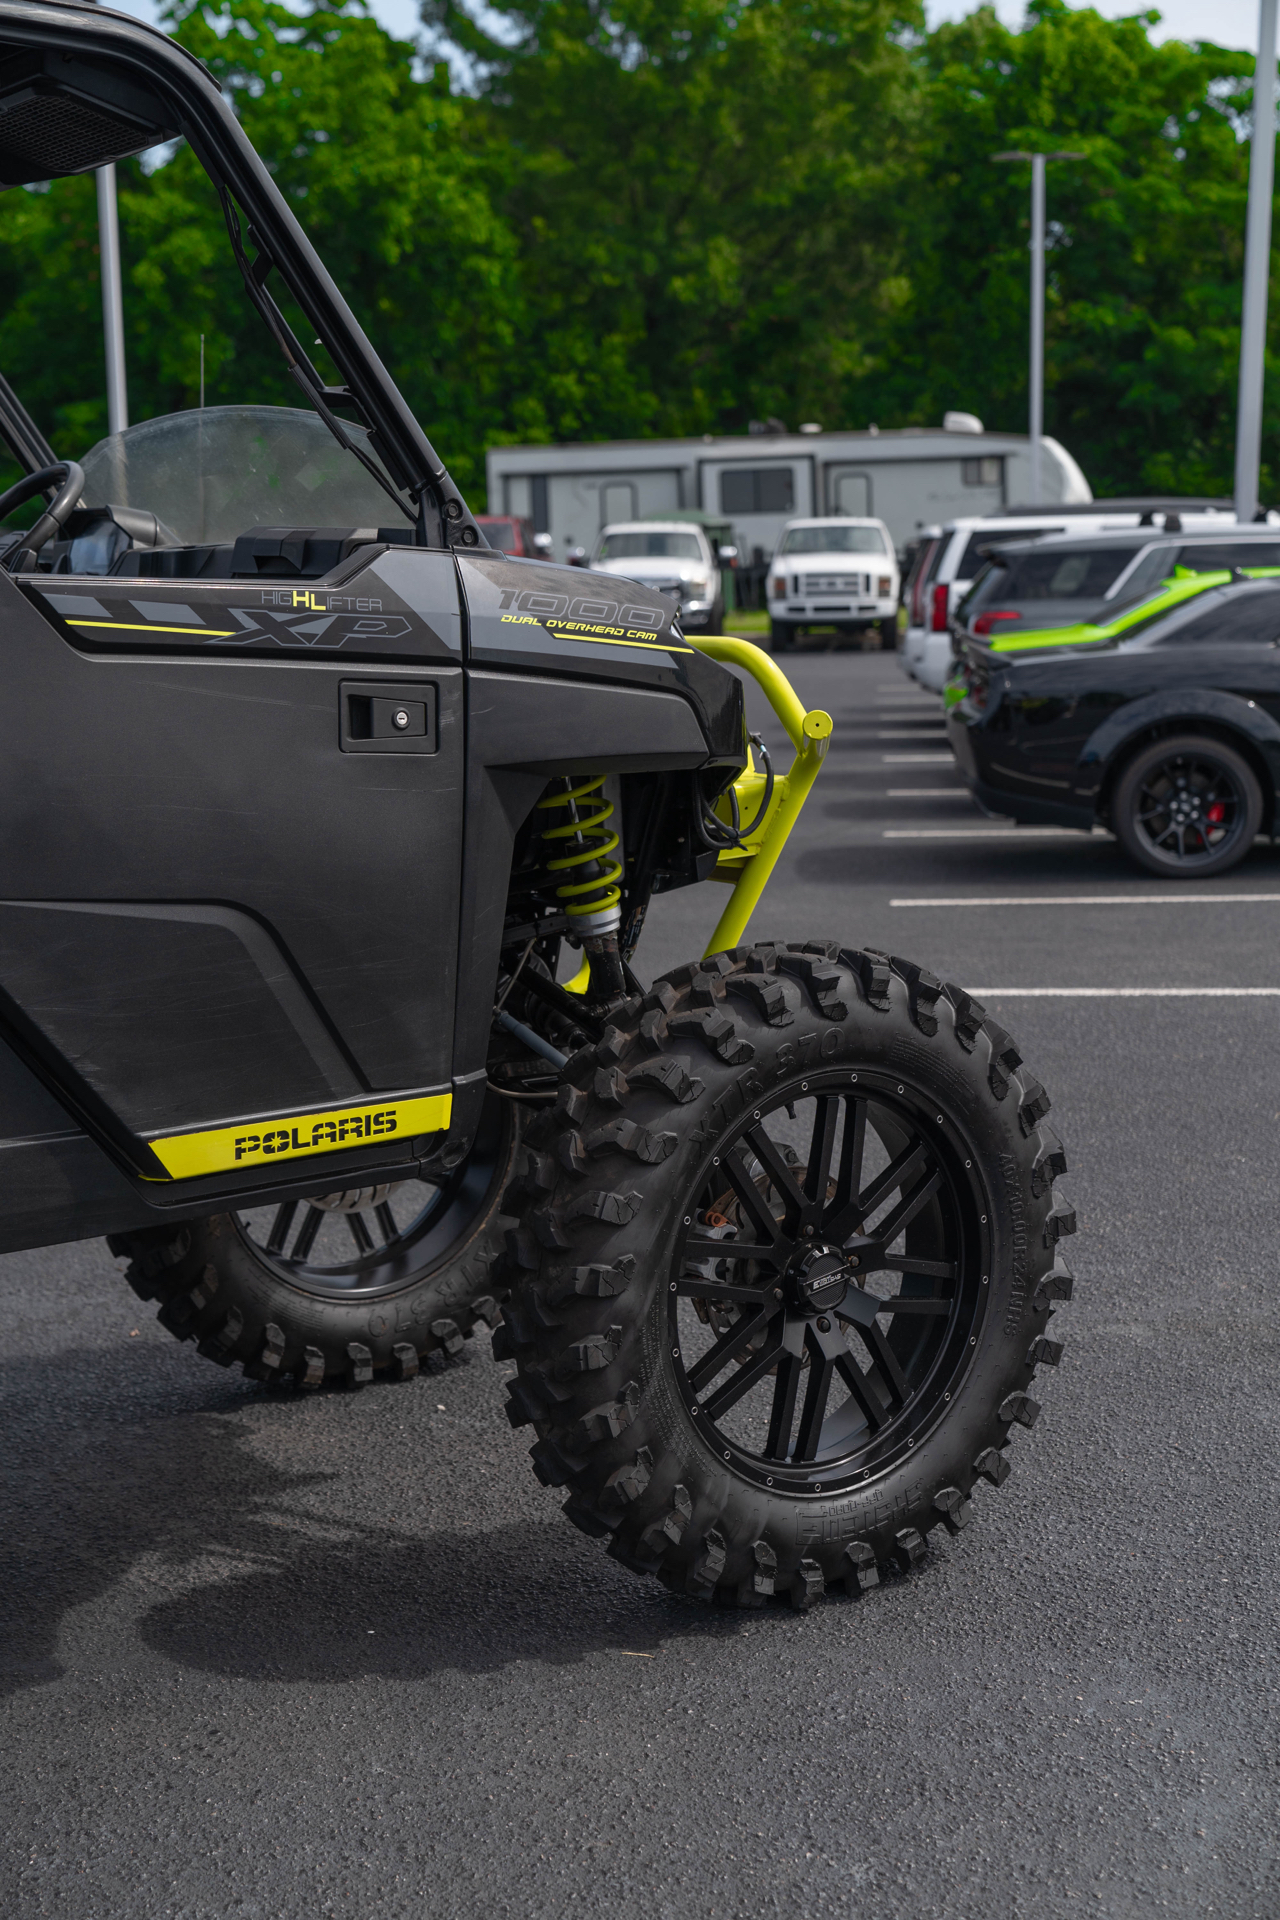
[(388, 716)]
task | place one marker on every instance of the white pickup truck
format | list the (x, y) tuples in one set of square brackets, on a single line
[(673, 557), (837, 572)]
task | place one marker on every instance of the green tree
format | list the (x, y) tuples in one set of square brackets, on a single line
[(704, 193), (381, 170), (1146, 237), (672, 216)]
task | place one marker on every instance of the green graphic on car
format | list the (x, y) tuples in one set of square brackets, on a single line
[(1182, 585)]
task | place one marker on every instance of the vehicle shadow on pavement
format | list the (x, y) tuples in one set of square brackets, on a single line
[(150, 1509), (382, 1606)]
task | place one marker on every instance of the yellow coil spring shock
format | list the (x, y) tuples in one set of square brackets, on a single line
[(594, 901)]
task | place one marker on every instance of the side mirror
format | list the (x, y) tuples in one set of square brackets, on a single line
[(729, 555), (543, 543)]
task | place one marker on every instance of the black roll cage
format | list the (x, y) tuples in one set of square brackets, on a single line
[(116, 59)]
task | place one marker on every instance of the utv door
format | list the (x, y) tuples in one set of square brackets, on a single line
[(229, 870)]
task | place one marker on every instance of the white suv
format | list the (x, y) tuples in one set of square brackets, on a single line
[(836, 572), (672, 556)]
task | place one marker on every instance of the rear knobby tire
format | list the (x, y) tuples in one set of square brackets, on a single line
[(685, 1097), (385, 1311)]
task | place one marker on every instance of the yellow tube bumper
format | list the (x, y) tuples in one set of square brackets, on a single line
[(747, 868)]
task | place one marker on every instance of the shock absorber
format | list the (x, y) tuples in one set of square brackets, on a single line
[(581, 844)]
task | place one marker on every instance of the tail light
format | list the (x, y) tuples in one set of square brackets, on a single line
[(941, 599), (885, 584), (985, 621), (778, 587)]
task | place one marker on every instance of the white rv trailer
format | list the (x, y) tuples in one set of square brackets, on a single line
[(909, 477)]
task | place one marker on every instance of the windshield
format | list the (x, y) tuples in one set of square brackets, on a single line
[(1054, 574), (833, 539), (217, 472), (647, 545)]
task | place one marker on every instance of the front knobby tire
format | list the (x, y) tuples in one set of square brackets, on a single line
[(787, 1253), (373, 1281)]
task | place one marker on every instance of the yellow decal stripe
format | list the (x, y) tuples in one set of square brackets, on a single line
[(149, 626), (604, 640), (551, 626), (264, 1142)]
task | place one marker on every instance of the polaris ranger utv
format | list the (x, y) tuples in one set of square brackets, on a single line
[(312, 804)]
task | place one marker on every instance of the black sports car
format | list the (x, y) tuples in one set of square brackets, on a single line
[(1168, 734)]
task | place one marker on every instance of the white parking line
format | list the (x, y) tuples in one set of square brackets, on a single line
[(1125, 993), (983, 833), (903, 733), (1091, 899), (927, 793), (918, 759)]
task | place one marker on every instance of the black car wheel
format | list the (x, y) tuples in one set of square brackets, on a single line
[(889, 635), (781, 636), (370, 1280), (1187, 807)]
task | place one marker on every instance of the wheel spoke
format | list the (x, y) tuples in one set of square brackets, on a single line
[(703, 1289), (886, 1361), (849, 1178), (908, 1207), (750, 1198), (784, 1181), (705, 1370), (848, 1219), (822, 1143), (907, 1263), (896, 1174), (312, 1221), (387, 1223), (860, 1388), (280, 1226), (821, 1368), (910, 1303), (784, 1407), (360, 1233), (699, 1246), (741, 1382)]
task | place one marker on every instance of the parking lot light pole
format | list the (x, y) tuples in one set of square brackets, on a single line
[(1257, 267), (1036, 423)]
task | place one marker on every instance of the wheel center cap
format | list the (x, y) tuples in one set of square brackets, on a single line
[(816, 1277)]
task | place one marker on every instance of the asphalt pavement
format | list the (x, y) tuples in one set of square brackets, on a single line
[(341, 1655)]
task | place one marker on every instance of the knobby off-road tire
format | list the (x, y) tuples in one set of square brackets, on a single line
[(294, 1295), (755, 1423)]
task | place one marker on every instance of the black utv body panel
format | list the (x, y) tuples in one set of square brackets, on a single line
[(263, 794)]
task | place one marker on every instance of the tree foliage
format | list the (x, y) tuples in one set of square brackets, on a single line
[(674, 216)]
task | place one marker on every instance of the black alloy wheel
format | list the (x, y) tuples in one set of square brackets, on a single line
[(829, 1286), (1187, 807), (348, 1285), (785, 1261)]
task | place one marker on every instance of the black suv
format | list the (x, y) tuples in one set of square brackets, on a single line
[(1067, 578), (1169, 735)]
